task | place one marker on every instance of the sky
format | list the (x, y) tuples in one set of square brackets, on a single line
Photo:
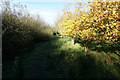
[(49, 0), (47, 9)]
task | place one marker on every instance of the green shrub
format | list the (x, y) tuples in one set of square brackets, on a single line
[(20, 30)]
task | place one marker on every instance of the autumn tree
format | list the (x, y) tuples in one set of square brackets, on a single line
[(100, 22)]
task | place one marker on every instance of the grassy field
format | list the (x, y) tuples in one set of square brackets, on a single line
[(58, 58)]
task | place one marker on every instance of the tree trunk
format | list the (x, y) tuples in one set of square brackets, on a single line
[(73, 41), (86, 47)]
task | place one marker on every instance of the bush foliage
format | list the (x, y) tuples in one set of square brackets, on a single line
[(99, 23), (20, 29)]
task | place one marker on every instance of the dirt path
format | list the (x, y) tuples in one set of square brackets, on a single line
[(39, 62), (59, 59), (36, 63)]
